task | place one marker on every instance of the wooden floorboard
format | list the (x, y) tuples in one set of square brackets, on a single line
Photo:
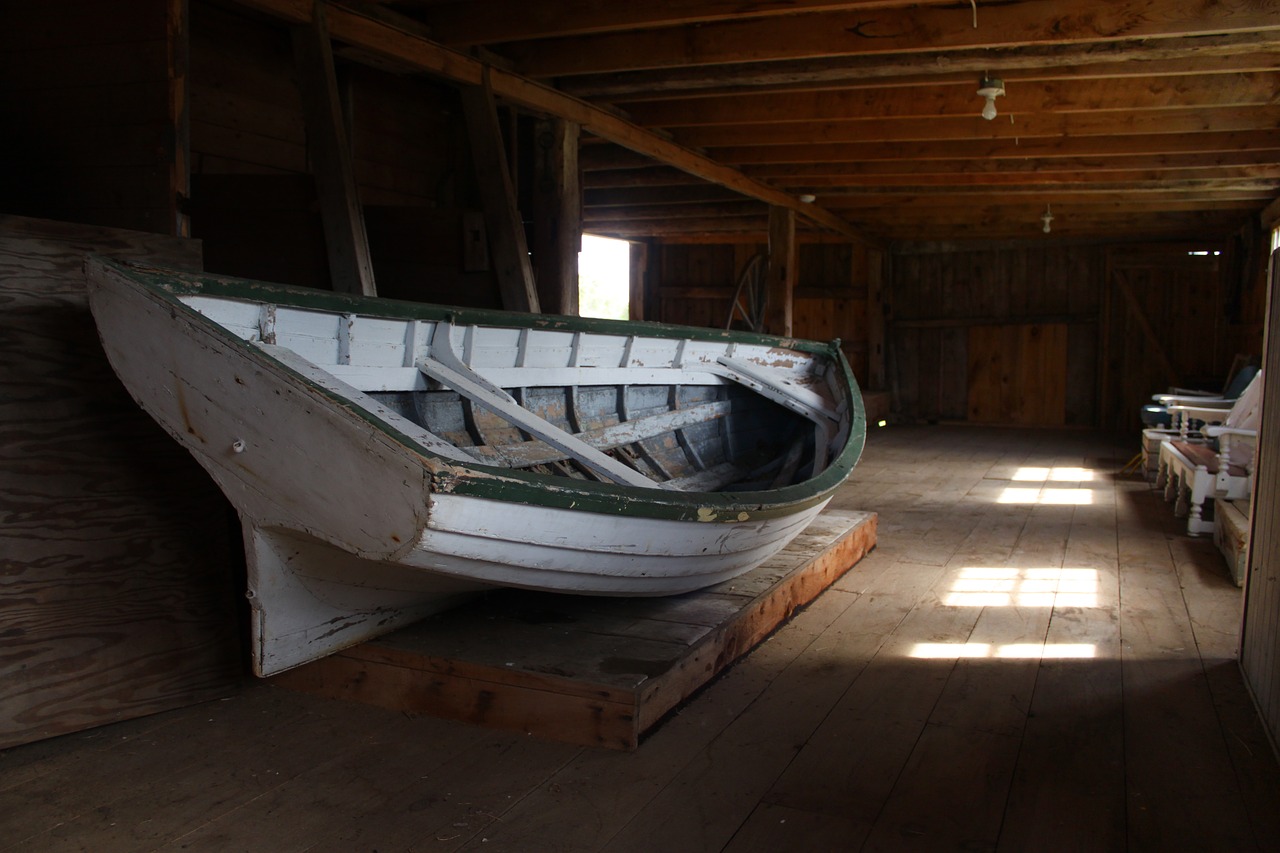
[(1005, 671)]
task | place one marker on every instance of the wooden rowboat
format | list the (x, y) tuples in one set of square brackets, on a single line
[(387, 457)]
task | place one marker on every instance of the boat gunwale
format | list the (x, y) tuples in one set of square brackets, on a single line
[(515, 485)]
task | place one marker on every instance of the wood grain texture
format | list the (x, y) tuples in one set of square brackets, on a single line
[(117, 549), (101, 139), (832, 735), (591, 671), (998, 335), (1260, 646)]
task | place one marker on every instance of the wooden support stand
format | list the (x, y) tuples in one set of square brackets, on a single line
[(588, 670)]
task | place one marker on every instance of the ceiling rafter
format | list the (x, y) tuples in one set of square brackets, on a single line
[(1157, 119), (888, 31), (1256, 88), (404, 44), (507, 20), (1178, 120), (1249, 51)]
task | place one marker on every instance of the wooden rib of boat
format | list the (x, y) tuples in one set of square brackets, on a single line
[(387, 457)]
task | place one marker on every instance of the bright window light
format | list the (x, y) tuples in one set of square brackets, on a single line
[(1060, 475), (604, 278), (1008, 651), (1076, 497), (1019, 496), (1048, 495), (1047, 650), (982, 586), (951, 650)]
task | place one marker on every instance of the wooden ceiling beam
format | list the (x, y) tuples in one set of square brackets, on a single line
[(659, 195), (956, 99), (643, 204), (1093, 146), (993, 181), (1110, 123), (402, 44), (1262, 159), (908, 205), (1249, 51), (890, 31), (674, 211), (658, 176), (1027, 212), (463, 24)]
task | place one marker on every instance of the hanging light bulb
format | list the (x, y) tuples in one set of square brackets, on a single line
[(990, 88), (1046, 218)]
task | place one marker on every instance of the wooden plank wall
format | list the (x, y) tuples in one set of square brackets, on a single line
[(1182, 298), (119, 589), (1260, 641), (1002, 335), (253, 198), (695, 283), (90, 103)]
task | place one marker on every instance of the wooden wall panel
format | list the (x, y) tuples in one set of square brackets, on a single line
[(697, 281), (1260, 641), (253, 196), (1000, 335), (1017, 374), (91, 115), (409, 140), (246, 112), (1172, 333), (118, 550)]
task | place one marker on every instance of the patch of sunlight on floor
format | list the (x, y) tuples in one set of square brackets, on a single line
[(1060, 475), (983, 586), (1046, 495), (1010, 651)]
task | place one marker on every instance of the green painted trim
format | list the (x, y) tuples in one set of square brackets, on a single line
[(506, 484), (187, 283)]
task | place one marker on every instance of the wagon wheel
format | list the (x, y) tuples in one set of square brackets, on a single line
[(752, 295)]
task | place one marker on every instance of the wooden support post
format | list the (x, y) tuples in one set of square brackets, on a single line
[(638, 308), (178, 25), (875, 270), (507, 244), (350, 268), (781, 280), (557, 215)]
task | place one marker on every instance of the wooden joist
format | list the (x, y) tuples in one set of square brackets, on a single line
[(906, 29), (399, 44), (350, 267), (506, 230), (1126, 58)]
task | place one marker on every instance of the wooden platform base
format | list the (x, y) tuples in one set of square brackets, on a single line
[(587, 670)]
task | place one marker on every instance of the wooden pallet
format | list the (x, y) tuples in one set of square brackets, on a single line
[(587, 670)]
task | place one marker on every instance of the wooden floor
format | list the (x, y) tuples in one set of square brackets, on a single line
[(1020, 665)]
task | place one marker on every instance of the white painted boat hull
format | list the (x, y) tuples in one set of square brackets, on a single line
[(351, 530)]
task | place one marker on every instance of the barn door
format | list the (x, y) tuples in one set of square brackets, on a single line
[(1162, 326)]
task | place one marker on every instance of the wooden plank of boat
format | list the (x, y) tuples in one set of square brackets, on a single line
[(387, 456)]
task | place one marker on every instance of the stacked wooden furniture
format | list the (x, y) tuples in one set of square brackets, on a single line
[(1201, 478)]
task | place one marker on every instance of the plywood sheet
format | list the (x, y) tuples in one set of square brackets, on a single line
[(118, 595)]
